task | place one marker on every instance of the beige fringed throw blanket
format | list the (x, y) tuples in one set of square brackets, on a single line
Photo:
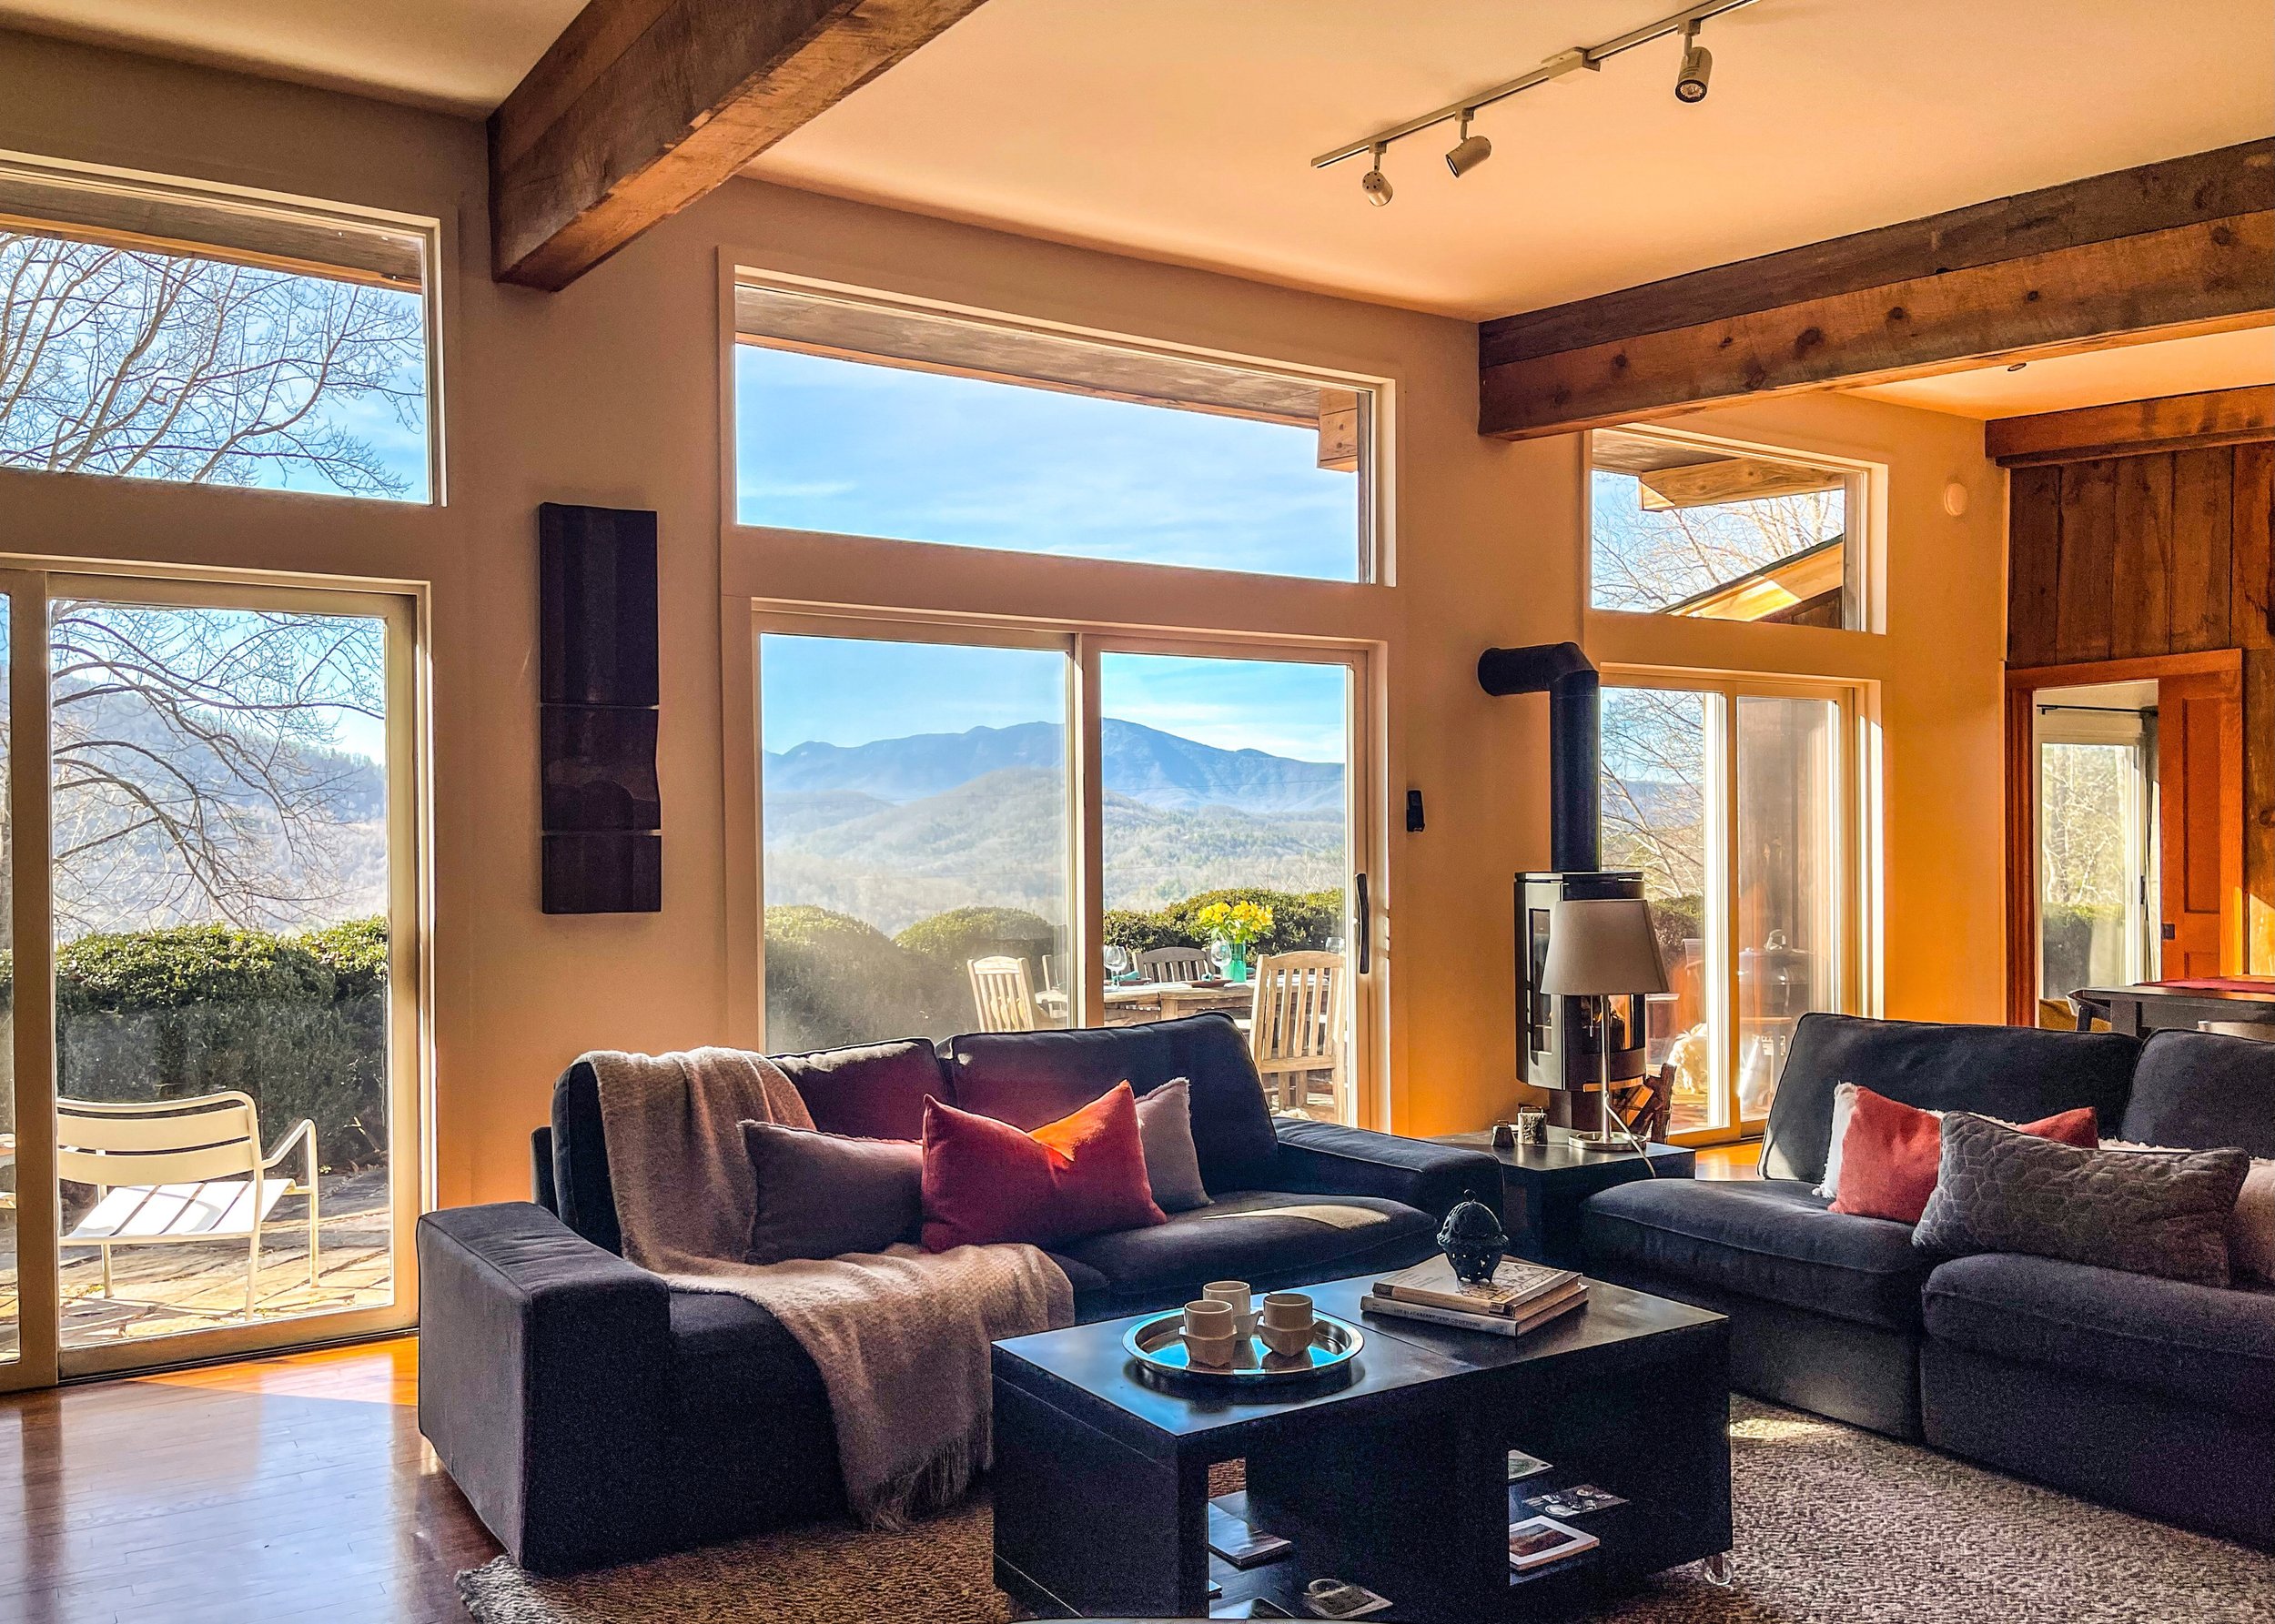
[(900, 1337)]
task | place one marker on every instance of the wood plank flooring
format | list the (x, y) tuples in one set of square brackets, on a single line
[(289, 1489)]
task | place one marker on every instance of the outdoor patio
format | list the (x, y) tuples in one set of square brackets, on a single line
[(165, 1290)]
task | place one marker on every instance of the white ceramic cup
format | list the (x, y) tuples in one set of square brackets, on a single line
[(1209, 1320), (1235, 1294), (1287, 1311)]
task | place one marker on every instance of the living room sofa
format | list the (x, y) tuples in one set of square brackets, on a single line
[(2149, 1393), (592, 1415)]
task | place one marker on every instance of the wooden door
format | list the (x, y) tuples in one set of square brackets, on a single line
[(2199, 776)]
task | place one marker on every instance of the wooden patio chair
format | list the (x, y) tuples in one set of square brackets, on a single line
[(1175, 963), (1002, 994), (1297, 1031), (170, 1171)]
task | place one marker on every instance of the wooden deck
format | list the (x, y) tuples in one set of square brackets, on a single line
[(164, 1290)]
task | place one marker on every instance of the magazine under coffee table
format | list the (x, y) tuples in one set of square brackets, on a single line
[(1395, 1477)]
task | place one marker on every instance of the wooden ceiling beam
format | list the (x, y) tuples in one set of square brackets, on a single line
[(2164, 250), (643, 106), (2169, 423)]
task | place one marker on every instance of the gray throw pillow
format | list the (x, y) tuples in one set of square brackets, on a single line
[(820, 1195), (2001, 1190), (1165, 1128)]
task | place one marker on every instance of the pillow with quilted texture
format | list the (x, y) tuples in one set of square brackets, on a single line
[(2001, 1190), (1890, 1152), (2251, 1232)]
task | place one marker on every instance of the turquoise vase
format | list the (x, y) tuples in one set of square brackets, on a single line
[(1237, 965)]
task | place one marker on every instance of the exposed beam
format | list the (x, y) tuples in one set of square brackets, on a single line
[(641, 106), (2183, 247), (2215, 418)]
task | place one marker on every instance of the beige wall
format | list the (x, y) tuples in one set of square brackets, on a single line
[(611, 392)]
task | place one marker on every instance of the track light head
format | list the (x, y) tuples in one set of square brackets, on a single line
[(1467, 152), (1698, 67), (1374, 183)]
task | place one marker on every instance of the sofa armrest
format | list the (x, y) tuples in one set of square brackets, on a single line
[(1322, 1158), (545, 1377)]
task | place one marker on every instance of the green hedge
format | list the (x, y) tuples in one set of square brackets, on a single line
[(1301, 920), (298, 1022), (833, 980)]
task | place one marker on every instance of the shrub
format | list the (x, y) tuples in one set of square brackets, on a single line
[(962, 934), (1300, 921), (832, 980)]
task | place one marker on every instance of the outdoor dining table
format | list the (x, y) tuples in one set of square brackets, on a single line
[(1172, 998)]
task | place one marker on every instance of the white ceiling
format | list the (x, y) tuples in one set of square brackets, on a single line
[(1182, 129), (2099, 377)]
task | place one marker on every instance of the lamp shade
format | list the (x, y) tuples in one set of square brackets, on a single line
[(1602, 946)]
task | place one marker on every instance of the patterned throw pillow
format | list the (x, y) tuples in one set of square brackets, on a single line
[(1998, 1190), (2251, 1231)]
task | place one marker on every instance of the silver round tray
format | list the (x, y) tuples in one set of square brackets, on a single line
[(1157, 1344)]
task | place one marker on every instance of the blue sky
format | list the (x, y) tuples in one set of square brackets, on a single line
[(838, 446), (830, 445), (854, 691)]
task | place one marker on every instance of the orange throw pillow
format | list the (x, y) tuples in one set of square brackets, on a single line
[(986, 1181), (1890, 1153)]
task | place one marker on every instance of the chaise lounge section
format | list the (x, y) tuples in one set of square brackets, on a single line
[(2155, 1395), (593, 1415)]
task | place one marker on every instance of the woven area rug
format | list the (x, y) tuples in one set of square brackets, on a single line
[(1834, 1526)]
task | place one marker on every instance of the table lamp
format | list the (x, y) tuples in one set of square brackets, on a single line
[(1603, 948)]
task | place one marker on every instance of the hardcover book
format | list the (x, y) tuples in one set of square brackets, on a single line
[(1514, 1284), (1574, 1295)]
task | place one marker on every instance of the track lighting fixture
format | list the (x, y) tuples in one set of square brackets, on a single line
[(1375, 184), (1698, 66), (1469, 150)]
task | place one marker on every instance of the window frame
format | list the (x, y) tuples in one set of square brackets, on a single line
[(1084, 643), (1373, 525), (1852, 864), (1863, 493), (222, 201)]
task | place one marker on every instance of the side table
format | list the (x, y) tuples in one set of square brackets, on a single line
[(1543, 1185)]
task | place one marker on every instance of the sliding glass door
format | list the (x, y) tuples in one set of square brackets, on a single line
[(216, 1043), (972, 828), (1736, 800)]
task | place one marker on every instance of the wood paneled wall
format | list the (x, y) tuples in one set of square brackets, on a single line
[(2166, 552)]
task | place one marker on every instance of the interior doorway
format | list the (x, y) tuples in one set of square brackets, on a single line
[(2124, 785)]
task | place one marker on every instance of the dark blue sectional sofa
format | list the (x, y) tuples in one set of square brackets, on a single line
[(2148, 1394), (591, 1415)]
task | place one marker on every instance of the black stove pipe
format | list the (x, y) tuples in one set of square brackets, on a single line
[(1575, 741)]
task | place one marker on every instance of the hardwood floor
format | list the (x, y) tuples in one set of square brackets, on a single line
[(288, 1488), (1741, 1160)]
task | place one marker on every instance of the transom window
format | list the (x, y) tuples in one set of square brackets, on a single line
[(863, 418), (151, 331), (1678, 527)]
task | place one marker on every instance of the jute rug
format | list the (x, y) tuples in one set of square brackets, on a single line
[(1834, 1526)]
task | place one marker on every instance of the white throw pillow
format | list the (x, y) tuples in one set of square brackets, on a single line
[(2251, 1229), (1843, 1103)]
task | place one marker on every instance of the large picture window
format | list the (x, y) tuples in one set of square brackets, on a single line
[(863, 418), (1736, 798), (146, 332), (1677, 527), (952, 839)]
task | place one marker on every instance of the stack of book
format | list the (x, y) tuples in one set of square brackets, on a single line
[(1519, 1297)]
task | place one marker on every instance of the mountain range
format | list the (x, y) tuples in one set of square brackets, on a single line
[(898, 830)]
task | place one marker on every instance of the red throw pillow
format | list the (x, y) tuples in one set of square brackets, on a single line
[(1895, 1148), (986, 1181)]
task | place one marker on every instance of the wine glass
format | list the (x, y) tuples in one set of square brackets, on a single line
[(1117, 962), (1220, 955)]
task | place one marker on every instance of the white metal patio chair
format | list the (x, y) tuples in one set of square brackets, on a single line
[(1299, 1028), (1002, 994), (179, 1170)]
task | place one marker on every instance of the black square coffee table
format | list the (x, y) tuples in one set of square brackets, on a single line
[(1396, 1479)]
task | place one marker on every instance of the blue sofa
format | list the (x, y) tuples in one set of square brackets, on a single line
[(2148, 1394), (591, 1415)]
